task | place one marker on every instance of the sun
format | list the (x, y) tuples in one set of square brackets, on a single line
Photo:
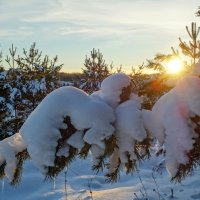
[(174, 66)]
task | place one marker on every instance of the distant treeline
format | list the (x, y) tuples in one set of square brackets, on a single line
[(64, 76)]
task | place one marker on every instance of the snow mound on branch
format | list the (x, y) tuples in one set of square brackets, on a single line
[(111, 89), (196, 69), (76, 140), (129, 128), (170, 120), (9, 147), (41, 130), (188, 89)]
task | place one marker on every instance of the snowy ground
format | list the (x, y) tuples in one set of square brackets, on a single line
[(79, 177)]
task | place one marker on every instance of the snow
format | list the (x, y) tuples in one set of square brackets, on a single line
[(41, 129), (196, 69), (14, 93), (88, 115), (129, 128), (96, 152), (170, 120), (76, 140), (2, 100), (63, 151), (8, 149), (80, 175), (148, 122), (95, 118), (111, 88), (188, 88), (65, 83), (3, 74), (129, 120), (171, 81), (35, 86)]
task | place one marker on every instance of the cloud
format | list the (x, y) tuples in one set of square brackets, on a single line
[(7, 33), (125, 28), (103, 17)]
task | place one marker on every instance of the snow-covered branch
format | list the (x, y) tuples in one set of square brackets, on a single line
[(111, 124)]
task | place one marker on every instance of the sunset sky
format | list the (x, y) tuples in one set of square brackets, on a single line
[(127, 32)]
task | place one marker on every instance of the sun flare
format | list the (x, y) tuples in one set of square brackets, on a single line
[(174, 66)]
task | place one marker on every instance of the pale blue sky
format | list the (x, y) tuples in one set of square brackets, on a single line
[(127, 32)]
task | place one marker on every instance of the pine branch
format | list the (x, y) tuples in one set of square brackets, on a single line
[(193, 155), (2, 170), (110, 145), (131, 165), (84, 151), (100, 166), (115, 175), (21, 157), (61, 162)]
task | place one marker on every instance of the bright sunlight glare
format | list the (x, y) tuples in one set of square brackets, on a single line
[(174, 66)]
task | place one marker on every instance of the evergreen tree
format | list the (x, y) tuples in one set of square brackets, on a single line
[(29, 79), (16, 82), (154, 86), (41, 75), (198, 12), (190, 53), (5, 111), (192, 49), (95, 71), (149, 86)]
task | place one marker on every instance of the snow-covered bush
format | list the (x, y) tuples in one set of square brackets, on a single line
[(111, 124), (68, 122), (174, 121)]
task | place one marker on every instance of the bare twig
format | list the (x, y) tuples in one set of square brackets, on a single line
[(145, 191)]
